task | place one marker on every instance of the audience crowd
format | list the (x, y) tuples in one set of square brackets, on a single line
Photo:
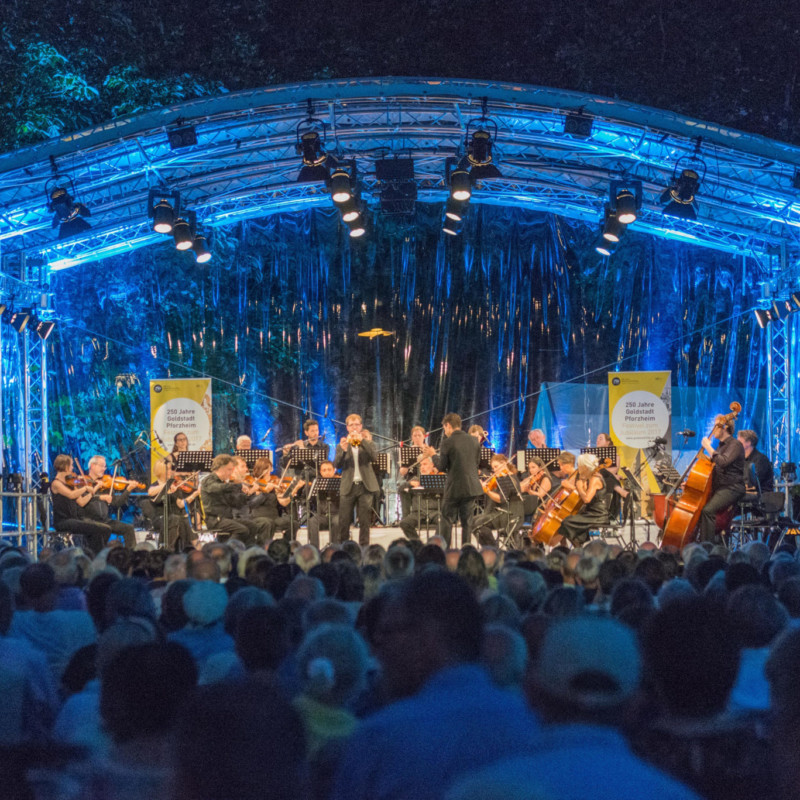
[(416, 672)]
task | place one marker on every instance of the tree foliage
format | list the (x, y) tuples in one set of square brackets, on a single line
[(68, 64)]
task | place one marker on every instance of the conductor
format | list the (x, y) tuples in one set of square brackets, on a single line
[(459, 456)]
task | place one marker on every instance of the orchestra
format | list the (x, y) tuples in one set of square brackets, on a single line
[(563, 501)]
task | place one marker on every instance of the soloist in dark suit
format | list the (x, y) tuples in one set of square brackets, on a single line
[(459, 456), (352, 492)]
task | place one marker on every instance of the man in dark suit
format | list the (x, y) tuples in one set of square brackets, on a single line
[(459, 456), (358, 479)]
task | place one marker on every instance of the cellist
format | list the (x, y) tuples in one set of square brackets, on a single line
[(592, 491), (727, 479)]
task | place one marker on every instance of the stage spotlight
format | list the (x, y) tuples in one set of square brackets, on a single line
[(479, 155), (679, 197), (604, 247), (310, 145), (454, 210), (577, 124), (762, 316), (67, 213), (163, 205), (613, 228), (625, 200), (200, 247), (451, 227), (182, 234), (460, 185), (350, 210), (19, 320), (42, 327), (356, 227), (794, 298), (341, 185), (182, 136)]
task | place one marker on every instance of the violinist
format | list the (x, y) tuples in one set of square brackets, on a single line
[(326, 514), (271, 498), (180, 530), (222, 496), (502, 513), (412, 471), (97, 509), (180, 444), (727, 479), (70, 496), (591, 489), (536, 486), (422, 513), (354, 456)]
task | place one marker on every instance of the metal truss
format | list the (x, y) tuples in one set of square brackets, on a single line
[(245, 164), (779, 390)]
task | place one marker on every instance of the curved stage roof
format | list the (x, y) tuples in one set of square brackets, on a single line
[(245, 165)]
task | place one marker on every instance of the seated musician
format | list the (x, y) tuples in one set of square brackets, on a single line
[(222, 497), (756, 462), (97, 509), (407, 473), (267, 503), (501, 514), (180, 444), (592, 491), (536, 486), (479, 433), (180, 531), (244, 442), (325, 515), (565, 466), (313, 441), (69, 500), (615, 493), (536, 439), (727, 479), (424, 509)]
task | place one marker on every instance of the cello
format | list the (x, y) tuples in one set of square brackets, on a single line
[(564, 503), (681, 525)]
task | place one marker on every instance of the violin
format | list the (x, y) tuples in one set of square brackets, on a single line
[(74, 481), (109, 483), (188, 484), (491, 484)]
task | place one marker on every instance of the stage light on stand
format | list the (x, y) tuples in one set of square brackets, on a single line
[(625, 200), (163, 205)]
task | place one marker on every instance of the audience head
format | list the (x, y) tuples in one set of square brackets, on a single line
[(497, 608), (306, 588), (38, 587), (398, 563), (129, 597), (306, 557), (325, 611), (251, 736), (472, 569), (756, 616), (333, 662), (279, 550), (692, 657), (262, 638), (526, 588), (588, 668), (203, 569), (563, 601), (173, 617), (241, 601), (205, 603), (430, 554), (504, 654)]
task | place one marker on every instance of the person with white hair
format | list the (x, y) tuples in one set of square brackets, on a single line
[(591, 490)]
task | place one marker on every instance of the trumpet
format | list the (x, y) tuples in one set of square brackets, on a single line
[(355, 439)]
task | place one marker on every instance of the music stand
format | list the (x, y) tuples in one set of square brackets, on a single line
[(250, 456), (637, 491), (602, 453), (431, 486), (300, 457), (410, 455), (193, 460), (486, 457), (508, 489), (547, 454), (326, 489)]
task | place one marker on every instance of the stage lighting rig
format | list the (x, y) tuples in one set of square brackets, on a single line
[(202, 253), (688, 174), (42, 327), (18, 320), (455, 210), (578, 124), (163, 206), (182, 136), (343, 181), (479, 140), (68, 213), (625, 200), (456, 176)]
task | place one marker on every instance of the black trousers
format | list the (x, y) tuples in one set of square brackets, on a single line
[(318, 522), (452, 510), (719, 501), (358, 497), (95, 533), (247, 531), (495, 519)]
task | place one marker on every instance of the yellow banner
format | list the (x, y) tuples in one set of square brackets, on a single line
[(179, 405), (640, 411)]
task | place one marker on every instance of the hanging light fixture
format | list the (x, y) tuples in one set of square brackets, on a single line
[(613, 228), (688, 174), (310, 146), (163, 205), (625, 199), (202, 254)]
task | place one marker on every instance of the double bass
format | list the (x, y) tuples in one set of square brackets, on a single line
[(564, 503), (684, 517)]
